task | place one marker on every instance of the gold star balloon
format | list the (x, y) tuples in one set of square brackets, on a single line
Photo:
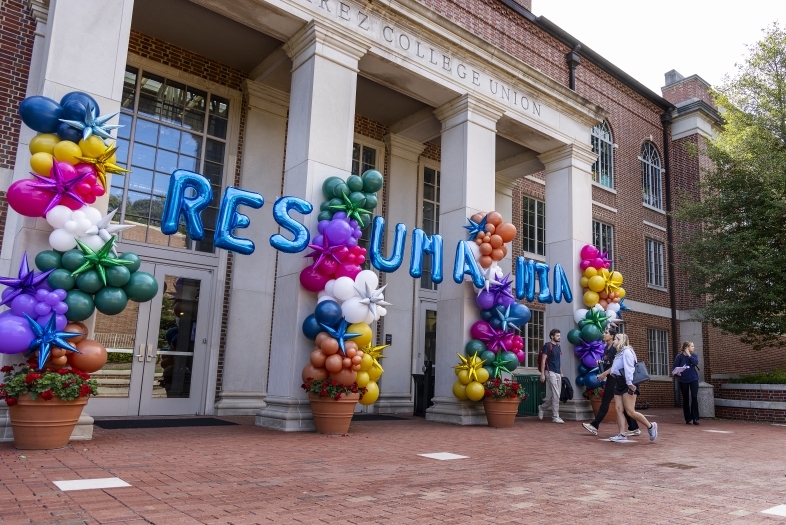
[(103, 165), (613, 280), (471, 365), (376, 353)]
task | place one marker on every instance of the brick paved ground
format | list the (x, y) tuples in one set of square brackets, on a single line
[(536, 472)]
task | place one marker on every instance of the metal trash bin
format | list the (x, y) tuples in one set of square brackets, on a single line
[(536, 393)]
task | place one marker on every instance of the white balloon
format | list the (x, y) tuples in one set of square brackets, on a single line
[(366, 277), (598, 307), (71, 226), (77, 215), (613, 307), (580, 314), (58, 216), (92, 214), (369, 317), (61, 240), (498, 273), (353, 311), (611, 315), (329, 287), (381, 311), (94, 242), (344, 288), (82, 225), (324, 298)]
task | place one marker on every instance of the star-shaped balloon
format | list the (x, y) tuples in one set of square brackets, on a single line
[(93, 124), (372, 298), (500, 364), (106, 230), (103, 165), (58, 186), (323, 252), (474, 228), (606, 259), (508, 320), (613, 280), (471, 364), (25, 283), (46, 337), (340, 334), (494, 340), (99, 259), (597, 318), (622, 307), (501, 288), (376, 353), (352, 209), (489, 279)]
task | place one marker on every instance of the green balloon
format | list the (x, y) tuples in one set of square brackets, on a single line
[(136, 262), (574, 336), (511, 361), (325, 206), (110, 300), (329, 184), (583, 323), (141, 287), (372, 181), (72, 259), (89, 281), (371, 201), (341, 189), (48, 260), (336, 202), (355, 183), (325, 215), (474, 346), (80, 305), (366, 218), (591, 333), (117, 276), (61, 278), (490, 370), (358, 197), (487, 356)]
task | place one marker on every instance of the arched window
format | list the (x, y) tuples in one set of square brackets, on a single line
[(650, 176), (603, 146)]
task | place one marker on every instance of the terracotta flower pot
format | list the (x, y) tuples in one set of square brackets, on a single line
[(39, 424), (331, 416), (501, 413), (611, 415)]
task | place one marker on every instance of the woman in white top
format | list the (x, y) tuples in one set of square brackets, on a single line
[(625, 392)]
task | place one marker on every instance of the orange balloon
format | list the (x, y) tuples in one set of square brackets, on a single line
[(603, 295), (504, 250), (329, 346), (91, 358), (334, 363), (345, 376), (604, 303), (477, 217), (357, 360), (478, 240), (79, 328), (351, 352), (494, 217), (485, 248), (355, 368), (318, 358), (497, 254), (320, 337), (57, 352), (360, 354), (350, 345), (507, 231), (57, 362), (616, 299), (485, 261), (311, 371), (496, 241), (490, 228), (346, 362)]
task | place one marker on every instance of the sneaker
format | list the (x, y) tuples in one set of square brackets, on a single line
[(619, 438), (589, 428), (636, 432), (696, 422), (557, 420), (653, 430), (540, 412)]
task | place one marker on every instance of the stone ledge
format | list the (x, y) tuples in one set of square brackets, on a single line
[(752, 386), (746, 403)]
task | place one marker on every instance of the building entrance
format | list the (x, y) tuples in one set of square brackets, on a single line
[(158, 350)]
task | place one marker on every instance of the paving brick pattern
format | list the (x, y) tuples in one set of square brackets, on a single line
[(536, 472)]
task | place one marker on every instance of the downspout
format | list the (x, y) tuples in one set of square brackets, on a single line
[(574, 59), (665, 120)]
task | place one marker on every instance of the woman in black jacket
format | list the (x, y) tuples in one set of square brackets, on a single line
[(689, 382)]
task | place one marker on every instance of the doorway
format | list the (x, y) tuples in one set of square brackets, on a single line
[(157, 351), (424, 383)]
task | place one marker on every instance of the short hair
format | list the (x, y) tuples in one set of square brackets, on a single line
[(553, 331), (612, 331)]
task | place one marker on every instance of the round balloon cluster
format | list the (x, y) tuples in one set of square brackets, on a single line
[(600, 285), (492, 235), (356, 197), (588, 376), (335, 252)]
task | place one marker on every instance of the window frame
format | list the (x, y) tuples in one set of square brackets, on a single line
[(649, 152), (525, 239), (423, 163), (600, 246), (660, 339), (379, 147), (648, 241), (596, 136), (538, 341)]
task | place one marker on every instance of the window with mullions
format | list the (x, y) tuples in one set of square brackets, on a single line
[(603, 146), (534, 337), (603, 238), (655, 263), (658, 348), (364, 158), (534, 226), (167, 125), (651, 175), (431, 179)]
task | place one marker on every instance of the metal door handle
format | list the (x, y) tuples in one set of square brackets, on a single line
[(140, 355), (150, 353)]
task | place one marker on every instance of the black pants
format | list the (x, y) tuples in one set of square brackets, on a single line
[(690, 410), (608, 395)]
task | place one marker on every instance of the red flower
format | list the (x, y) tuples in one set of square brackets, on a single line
[(7, 369), (11, 401), (63, 371), (47, 395), (29, 378), (84, 391)]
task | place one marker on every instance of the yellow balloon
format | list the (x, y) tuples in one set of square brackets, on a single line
[(67, 151), (617, 276), (41, 163), (463, 377), (585, 282), (475, 391), (365, 334), (375, 373), (366, 363), (590, 272), (362, 379), (43, 143), (483, 375), (621, 291), (92, 147), (597, 283), (591, 298), (459, 390), (371, 395)]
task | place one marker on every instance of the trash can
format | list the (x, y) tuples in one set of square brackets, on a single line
[(536, 393)]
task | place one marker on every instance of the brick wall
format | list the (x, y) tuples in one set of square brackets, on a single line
[(748, 413), (689, 88)]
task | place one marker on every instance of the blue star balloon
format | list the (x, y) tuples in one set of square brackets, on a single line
[(340, 334), (26, 283), (93, 124), (508, 320), (475, 228), (45, 337), (622, 307)]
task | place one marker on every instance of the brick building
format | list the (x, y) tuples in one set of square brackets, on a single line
[(464, 106)]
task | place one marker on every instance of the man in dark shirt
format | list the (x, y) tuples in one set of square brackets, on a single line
[(551, 373)]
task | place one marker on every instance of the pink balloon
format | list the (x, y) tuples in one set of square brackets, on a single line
[(83, 168), (589, 252), (67, 171), (348, 270), (480, 330), (521, 356), (30, 201), (586, 263), (98, 190), (312, 280), (598, 263), (327, 267)]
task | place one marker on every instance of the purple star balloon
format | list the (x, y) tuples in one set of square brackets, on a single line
[(325, 251), (501, 292), (59, 186), (26, 283)]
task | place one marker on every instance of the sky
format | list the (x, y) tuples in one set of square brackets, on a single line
[(646, 39)]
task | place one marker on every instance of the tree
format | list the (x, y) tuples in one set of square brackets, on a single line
[(735, 247)]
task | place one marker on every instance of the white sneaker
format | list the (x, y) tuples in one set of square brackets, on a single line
[(619, 438), (636, 432), (540, 412), (557, 420), (589, 428)]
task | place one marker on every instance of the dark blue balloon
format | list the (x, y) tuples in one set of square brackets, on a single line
[(522, 312), (41, 114), (580, 381), (311, 327), (591, 380), (74, 110), (82, 97), (495, 323), (68, 132), (171, 334), (487, 315), (583, 370), (328, 313)]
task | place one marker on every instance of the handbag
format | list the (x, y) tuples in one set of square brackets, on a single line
[(640, 373)]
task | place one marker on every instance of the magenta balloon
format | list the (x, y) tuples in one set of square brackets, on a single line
[(338, 232), (586, 263), (341, 253), (598, 263), (83, 168), (348, 270), (67, 171), (480, 330), (522, 357), (312, 280), (15, 334), (589, 252), (30, 201), (24, 304), (327, 267), (518, 342)]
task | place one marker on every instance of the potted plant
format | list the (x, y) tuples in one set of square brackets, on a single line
[(44, 405), (595, 395), (332, 404), (501, 401)]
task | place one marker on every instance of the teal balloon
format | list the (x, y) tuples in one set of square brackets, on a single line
[(141, 287), (325, 206), (487, 356), (136, 262), (328, 186), (89, 281), (372, 181), (48, 260), (341, 189), (366, 218), (511, 360), (574, 336), (474, 346), (358, 198), (110, 300), (582, 324), (325, 215), (72, 259), (355, 183), (80, 305), (490, 370), (591, 333), (61, 278), (336, 202), (117, 276), (371, 201)]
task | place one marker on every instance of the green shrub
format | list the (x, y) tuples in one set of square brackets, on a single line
[(776, 377), (117, 357)]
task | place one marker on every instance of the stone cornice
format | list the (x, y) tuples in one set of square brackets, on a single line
[(39, 9), (569, 153), (265, 98), (317, 38), (403, 147), (468, 108)]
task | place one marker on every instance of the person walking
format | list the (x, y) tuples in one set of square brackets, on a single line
[(689, 382), (608, 392), (625, 392), (550, 365)]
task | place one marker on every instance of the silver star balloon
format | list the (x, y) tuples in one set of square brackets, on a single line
[(106, 230), (94, 124), (489, 278), (372, 298)]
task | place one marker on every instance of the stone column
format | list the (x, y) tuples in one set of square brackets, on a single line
[(468, 142), (568, 229), (253, 276), (402, 198), (319, 145), (503, 203)]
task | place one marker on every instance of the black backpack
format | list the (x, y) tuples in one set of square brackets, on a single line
[(566, 393)]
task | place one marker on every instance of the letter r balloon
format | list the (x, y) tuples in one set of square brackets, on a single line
[(177, 203)]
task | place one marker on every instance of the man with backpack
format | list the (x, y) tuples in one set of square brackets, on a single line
[(550, 367)]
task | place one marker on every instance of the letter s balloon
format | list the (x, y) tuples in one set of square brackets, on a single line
[(300, 233)]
